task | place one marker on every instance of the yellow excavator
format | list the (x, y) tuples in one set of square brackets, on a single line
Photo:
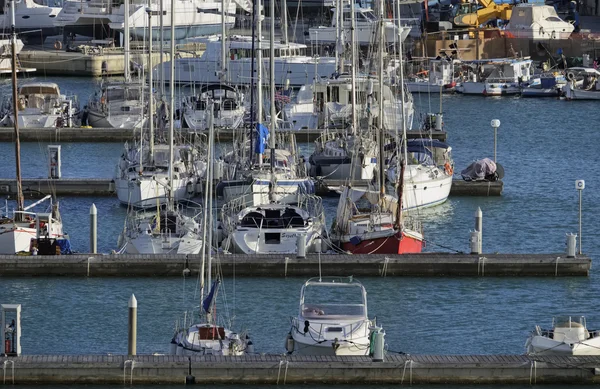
[(474, 14)]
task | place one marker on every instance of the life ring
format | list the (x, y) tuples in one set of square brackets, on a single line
[(448, 169), (58, 45), (570, 76)]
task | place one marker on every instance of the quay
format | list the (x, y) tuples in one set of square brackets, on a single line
[(7, 134), (284, 369), (106, 187), (261, 265)]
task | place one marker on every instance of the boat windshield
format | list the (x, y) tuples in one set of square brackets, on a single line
[(569, 321), (332, 300)]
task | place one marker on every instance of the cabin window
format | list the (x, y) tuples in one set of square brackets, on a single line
[(333, 94), (2, 5), (126, 108), (188, 68), (272, 238)]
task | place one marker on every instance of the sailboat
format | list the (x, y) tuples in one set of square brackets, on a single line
[(19, 228), (168, 229), (208, 337), (271, 226), (370, 222)]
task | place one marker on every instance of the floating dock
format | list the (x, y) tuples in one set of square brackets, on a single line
[(283, 369), (241, 265), (106, 187), (7, 134)]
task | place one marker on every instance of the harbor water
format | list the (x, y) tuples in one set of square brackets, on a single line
[(544, 146)]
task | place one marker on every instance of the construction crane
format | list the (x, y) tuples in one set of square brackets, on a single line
[(474, 14)]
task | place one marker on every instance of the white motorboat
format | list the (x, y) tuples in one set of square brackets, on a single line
[(332, 319), (147, 184), (569, 336), (226, 102), (34, 17), (582, 84), (292, 66), (327, 104), (438, 78), (366, 28), (547, 85), (102, 18), (495, 77), (273, 228), (537, 22), (41, 105), (120, 105), (427, 175)]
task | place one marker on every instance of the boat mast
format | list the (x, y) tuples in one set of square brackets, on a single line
[(284, 23), (208, 212), (259, 63), (354, 54), (162, 45), (151, 82), (400, 180), (222, 74), (272, 97), (380, 102), (20, 201), (339, 36), (126, 43), (172, 106)]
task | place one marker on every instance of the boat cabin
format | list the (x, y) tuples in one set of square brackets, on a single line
[(279, 217), (333, 298), (499, 70)]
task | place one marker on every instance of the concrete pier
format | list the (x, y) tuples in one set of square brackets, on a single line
[(123, 134), (240, 265), (282, 369)]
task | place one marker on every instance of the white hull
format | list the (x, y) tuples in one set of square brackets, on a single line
[(364, 34), (344, 170), (580, 94), (420, 192), (542, 345), (285, 192), (148, 192), (427, 87), (31, 16), (17, 238), (297, 70), (254, 240), (100, 120), (489, 88), (304, 345), (148, 244)]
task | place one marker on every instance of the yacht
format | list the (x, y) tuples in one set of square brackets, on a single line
[(495, 77), (33, 17), (537, 22), (292, 65), (118, 105), (102, 18), (569, 336), (273, 228), (366, 28), (332, 319), (427, 175), (226, 102), (41, 105), (340, 157)]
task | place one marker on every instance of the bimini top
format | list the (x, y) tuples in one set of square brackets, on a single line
[(41, 88)]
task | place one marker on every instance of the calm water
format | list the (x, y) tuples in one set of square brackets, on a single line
[(544, 145)]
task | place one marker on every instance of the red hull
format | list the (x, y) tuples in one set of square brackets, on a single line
[(396, 244)]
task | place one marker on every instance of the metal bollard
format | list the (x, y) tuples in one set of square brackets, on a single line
[(132, 330), (93, 229), (301, 245), (571, 245)]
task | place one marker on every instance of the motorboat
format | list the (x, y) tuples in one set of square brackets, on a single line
[(332, 319), (119, 105), (143, 182), (537, 22), (327, 104), (438, 78), (547, 85), (494, 77), (582, 84), (428, 173), (292, 65), (41, 105), (33, 17), (102, 19), (569, 336), (273, 228), (5, 56), (366, 24), (226, 102)]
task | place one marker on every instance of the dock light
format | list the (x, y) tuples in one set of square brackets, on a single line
[(495, 124), (580, 186)]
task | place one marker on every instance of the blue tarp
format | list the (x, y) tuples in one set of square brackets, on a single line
[(262, 133), (65, 246)]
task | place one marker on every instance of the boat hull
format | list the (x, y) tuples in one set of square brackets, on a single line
[(147, 193), (308, 347), (100, 120), (398, 243), (542, 345)]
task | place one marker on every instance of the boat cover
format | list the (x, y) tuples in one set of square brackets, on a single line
[(483, 169)]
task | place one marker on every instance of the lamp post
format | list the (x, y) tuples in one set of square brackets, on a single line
[(580, 186), (495, 124)]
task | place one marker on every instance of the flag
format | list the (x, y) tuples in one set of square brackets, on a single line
[(282, 97), (211, 295), (262, 134)]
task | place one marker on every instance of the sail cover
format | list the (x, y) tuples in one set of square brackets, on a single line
[(211, 295)]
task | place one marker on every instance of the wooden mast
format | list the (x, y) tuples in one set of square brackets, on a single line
[(20, 201)]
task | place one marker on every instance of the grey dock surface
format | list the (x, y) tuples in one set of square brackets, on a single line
[(282, 369), (77, 134), (241, 265), (106, 186)]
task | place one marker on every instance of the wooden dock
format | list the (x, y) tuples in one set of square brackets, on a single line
[(106, 187), (76, 134), (240, 265), (284, 369)]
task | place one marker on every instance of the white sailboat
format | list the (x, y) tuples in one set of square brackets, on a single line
[(17, 229), (332, 319), (168, 229), (226, 102), (209, 337), (569, 336)]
